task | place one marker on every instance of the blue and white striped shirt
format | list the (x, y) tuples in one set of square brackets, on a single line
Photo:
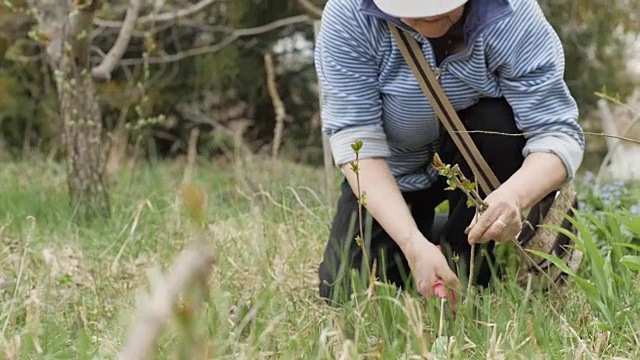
[(369, 92)]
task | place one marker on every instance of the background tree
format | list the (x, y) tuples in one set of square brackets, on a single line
[(66, 32), (200, 64), (596, 57), (64, 29)]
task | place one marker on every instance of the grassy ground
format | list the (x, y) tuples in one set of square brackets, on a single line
[(68, 291)]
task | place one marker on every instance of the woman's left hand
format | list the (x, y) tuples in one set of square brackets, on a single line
[(502, 221)]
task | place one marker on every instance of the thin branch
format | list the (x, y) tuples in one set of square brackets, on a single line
[(611, 152), (192, 152), (278, 104), (50, 17), (198, 25), (608, 123), (305, 207), (148, 31), (200, 117), (634, 97), (156, 308), (211, 49), (636, 141), (103, 71), (310, 9), (233, 36), (168, 16)]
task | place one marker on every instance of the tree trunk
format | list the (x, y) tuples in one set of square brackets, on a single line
[(64, 25), (83, 139)]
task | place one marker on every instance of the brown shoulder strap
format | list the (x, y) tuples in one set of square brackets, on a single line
[(412, 53)]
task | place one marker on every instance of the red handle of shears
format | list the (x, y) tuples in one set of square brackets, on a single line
[(441, 291)]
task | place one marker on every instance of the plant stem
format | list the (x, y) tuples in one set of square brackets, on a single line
[(359, 203), (472, 260), (441, 326), (355, 167), (457, 180)]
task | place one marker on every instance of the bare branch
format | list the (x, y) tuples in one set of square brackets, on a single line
[(51, 18), (610, 123), (191, 155), (103, 71), (233, 36), (168, 16), (153, 312), (310, 9), (628, 139), (278, 104), (181, 55), (271, 26)]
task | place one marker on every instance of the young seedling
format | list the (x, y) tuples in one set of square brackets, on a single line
[(457, 180), (356, 147), (362, 201)]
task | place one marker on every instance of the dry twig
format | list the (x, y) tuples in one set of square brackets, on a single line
[(163, 17), (232, 36), (154, 309), (103, 71), (628, 139), (278, 104), (611, 125), (310, 9), (191, 155)]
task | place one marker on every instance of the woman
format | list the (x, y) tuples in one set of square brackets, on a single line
[(501, 65)]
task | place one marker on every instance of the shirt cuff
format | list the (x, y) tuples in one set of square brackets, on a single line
[(374, 144)]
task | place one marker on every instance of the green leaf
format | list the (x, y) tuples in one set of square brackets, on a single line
[(631, 261), (554, 259), (357, 146), (630, 221), (470, 186), (603, 326), (589, 289), (627, 245), (439, 347), (592, 252)]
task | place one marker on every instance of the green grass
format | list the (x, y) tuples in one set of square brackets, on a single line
[(69, 291)]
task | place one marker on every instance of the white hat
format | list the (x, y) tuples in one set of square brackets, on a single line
[(417, 8)]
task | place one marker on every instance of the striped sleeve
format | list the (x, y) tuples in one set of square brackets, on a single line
[(347, 73), (529, 59)]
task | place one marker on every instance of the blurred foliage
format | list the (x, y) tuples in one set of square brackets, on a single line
[(596, 50), (230, 84), (27, 104)]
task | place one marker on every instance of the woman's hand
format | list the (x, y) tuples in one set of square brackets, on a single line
[(388, 207), (502, 221), (429, 265)]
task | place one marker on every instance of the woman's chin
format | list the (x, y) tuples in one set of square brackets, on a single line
[(433, 30), (434, 33)]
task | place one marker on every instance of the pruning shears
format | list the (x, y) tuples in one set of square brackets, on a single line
[(441, 292)]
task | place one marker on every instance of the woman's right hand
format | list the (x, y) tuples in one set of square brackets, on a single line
[(388, 207), (428, 265)]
